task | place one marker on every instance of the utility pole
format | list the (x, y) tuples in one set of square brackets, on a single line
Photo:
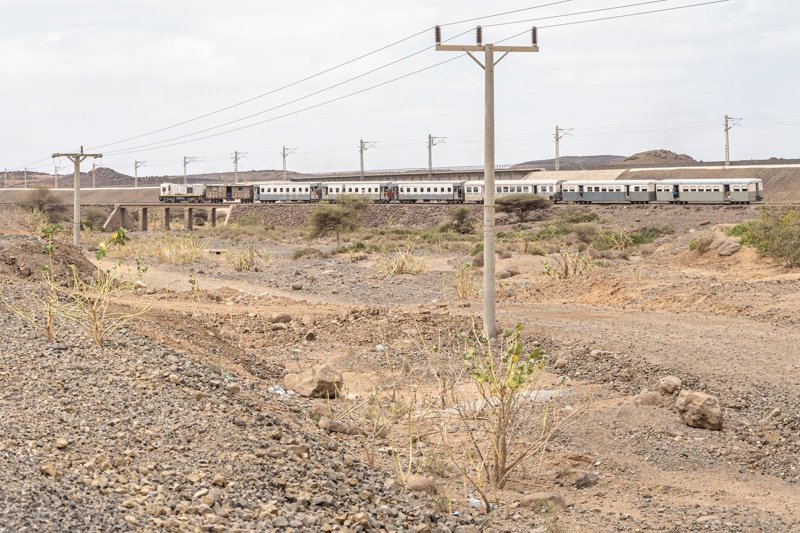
[(730, 122), (76, 208), (286, 152), (432, 141), (55, 172), (136, 165), (489, 299), (560, 133), (94, 186), (25, 178), (365, 145), (5, 178), (236, 156), (186, 161)]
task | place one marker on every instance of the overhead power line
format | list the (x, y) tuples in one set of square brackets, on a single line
[(318, 74)]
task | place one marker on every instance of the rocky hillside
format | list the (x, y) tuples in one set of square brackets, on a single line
[(660, 158)]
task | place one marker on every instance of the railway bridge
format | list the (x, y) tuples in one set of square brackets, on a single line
[(121, 216)]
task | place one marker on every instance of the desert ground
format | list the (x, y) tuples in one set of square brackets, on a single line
[(185, 418)]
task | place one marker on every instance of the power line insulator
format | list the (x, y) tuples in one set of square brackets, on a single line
[(534, 37), (479, 35), (438, 32)]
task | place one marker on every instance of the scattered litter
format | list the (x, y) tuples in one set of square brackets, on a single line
[(380, 348), (457, 513), (478, 504), (277, 389)]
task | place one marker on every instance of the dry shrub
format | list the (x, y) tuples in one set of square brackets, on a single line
[(247, 258), (174, 249), (701, 244), (463, 284), (402, 261), (568, 265)]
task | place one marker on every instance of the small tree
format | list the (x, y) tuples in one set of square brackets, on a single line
[(522, 205), (333, 219), (46, 202), (461, 220), (94, 218)]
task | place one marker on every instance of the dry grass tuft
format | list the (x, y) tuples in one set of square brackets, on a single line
[(402, 261)]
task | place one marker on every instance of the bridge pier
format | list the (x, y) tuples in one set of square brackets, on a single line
[(213, 217), (167, 219), (188, 213), (143, 220), (124, 218)]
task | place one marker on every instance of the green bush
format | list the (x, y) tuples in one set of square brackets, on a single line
[(701, 244), (477, 249), (314, 253), (744, 231), (94, 218), (777, 234), (574, 215)]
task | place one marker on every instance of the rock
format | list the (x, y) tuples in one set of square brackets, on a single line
[(318, 410), (625, 411), (131, 520), (281, 318), (215, 296), (332, 425), (514, 271), (280, 521), (296, 286), (422, 528), (584, 481), (422, 484), (197, 395), (561, 363), (258, 344), (505, 274), (308, 320), (139, 286), (729, 248), (537, 500), (279, 326), (233, 389), (669, 384), (48, 469), (320, 381), (699, 410), (310, 336), (62, 443), (219, 480), (648, 398)]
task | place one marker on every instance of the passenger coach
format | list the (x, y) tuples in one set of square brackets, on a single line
[(377, 191), (409, 192), (734, 191), (286, 191), (586, 192)]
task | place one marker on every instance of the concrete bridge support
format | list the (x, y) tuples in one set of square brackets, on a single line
[(188, 214), (143, 220), (213, 217), (167, 218)]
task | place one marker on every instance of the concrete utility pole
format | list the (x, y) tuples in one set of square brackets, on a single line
[(365, 145), (94, 186), (730, 122), (489, 299), (236, 156), (560, 133), (286, 152), (186, 161), (5, 178), (76, 208), (136, 165), (432, 141), (25, 178), (55, 174)]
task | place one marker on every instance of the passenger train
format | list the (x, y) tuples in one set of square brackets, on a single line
[(677, 191)]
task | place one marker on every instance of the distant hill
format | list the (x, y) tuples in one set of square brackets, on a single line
[(662, 158)]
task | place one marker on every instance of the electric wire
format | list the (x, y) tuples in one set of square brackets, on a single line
[(340, 65)]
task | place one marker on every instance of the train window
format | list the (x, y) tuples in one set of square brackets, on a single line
[(708, 188), (735, 188), (436, 189), (693, 188), (449, 189), (636, 189), (685, 188), (429, 189), (415, 189), (716, 189)]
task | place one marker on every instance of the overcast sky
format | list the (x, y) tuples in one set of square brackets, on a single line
[(94, 72)]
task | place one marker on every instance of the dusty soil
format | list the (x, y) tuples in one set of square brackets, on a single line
[(727, 326)]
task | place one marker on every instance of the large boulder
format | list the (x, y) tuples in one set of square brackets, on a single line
[(729, 248), (699, 410), (319, 381)]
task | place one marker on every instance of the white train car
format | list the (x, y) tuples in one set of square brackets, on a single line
[(286, 191), (474, 191), (587, 192), (409, 192), (377, 191), (734, 191), (177, 192)]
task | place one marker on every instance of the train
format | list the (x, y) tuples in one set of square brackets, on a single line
[(672, 191)]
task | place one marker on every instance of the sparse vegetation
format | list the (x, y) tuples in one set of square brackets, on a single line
[(461, 221), (172, 248), (402, 261), (45, 201), (93, 219), (311, 253), (701, 244), (522, 205), (336, 219), (776, 234), (247, 258)]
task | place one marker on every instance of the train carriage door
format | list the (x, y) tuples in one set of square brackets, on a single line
[(458, 193), (727, 189), (675, 192), (627, 191), (580, 190)]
